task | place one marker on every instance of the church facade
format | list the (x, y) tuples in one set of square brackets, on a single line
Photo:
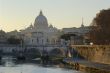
[(40, 33)]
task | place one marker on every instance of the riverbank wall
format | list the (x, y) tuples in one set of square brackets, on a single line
[(94, 53)]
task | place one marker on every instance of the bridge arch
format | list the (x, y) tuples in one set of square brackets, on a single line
[(57, 52), (32, 53)]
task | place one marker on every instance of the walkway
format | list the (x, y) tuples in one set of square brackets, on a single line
[(100, 66)]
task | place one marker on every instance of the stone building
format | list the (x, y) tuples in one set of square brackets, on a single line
[(40, 33), (79, 38)]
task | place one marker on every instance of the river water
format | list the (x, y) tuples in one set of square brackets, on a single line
[(11, 65)]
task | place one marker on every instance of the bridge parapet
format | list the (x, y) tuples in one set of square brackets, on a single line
[(28, 50)]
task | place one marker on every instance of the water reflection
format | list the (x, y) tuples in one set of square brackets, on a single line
[(7, 61), (11, 65)]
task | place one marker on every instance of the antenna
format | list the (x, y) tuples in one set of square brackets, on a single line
[(82, 25)]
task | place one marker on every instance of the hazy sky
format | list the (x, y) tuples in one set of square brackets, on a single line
[(19, 14)]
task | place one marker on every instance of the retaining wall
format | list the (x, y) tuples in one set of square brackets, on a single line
[(96, 53)]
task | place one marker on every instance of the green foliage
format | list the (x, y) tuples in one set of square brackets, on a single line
[(67, 36), (14, 40)]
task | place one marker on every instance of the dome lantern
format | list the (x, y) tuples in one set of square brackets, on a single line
[(40, 12)]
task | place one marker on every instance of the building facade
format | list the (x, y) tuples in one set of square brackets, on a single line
[(40, 33), (80, 34)]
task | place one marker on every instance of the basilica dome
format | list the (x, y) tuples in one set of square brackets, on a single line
[(41, 21)]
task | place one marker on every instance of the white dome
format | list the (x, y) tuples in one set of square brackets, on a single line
[(41, 21)]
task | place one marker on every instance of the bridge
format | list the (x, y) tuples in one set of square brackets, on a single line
[(30, 51)]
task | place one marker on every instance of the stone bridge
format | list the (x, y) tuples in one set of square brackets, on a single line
[(40, 50), (34, 51)]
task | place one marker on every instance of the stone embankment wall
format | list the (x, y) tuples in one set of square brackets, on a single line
[(95, 53)]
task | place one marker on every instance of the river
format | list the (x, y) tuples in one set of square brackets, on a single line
[(11, 65)]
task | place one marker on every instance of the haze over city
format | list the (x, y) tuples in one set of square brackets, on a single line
[(19, 14)]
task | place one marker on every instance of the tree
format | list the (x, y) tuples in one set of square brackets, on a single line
[(14, 40), (67, 36), (100, 28)]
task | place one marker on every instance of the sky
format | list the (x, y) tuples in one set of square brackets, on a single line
[(19, 14)]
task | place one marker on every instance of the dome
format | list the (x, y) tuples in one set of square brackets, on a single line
[(41, 21)]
